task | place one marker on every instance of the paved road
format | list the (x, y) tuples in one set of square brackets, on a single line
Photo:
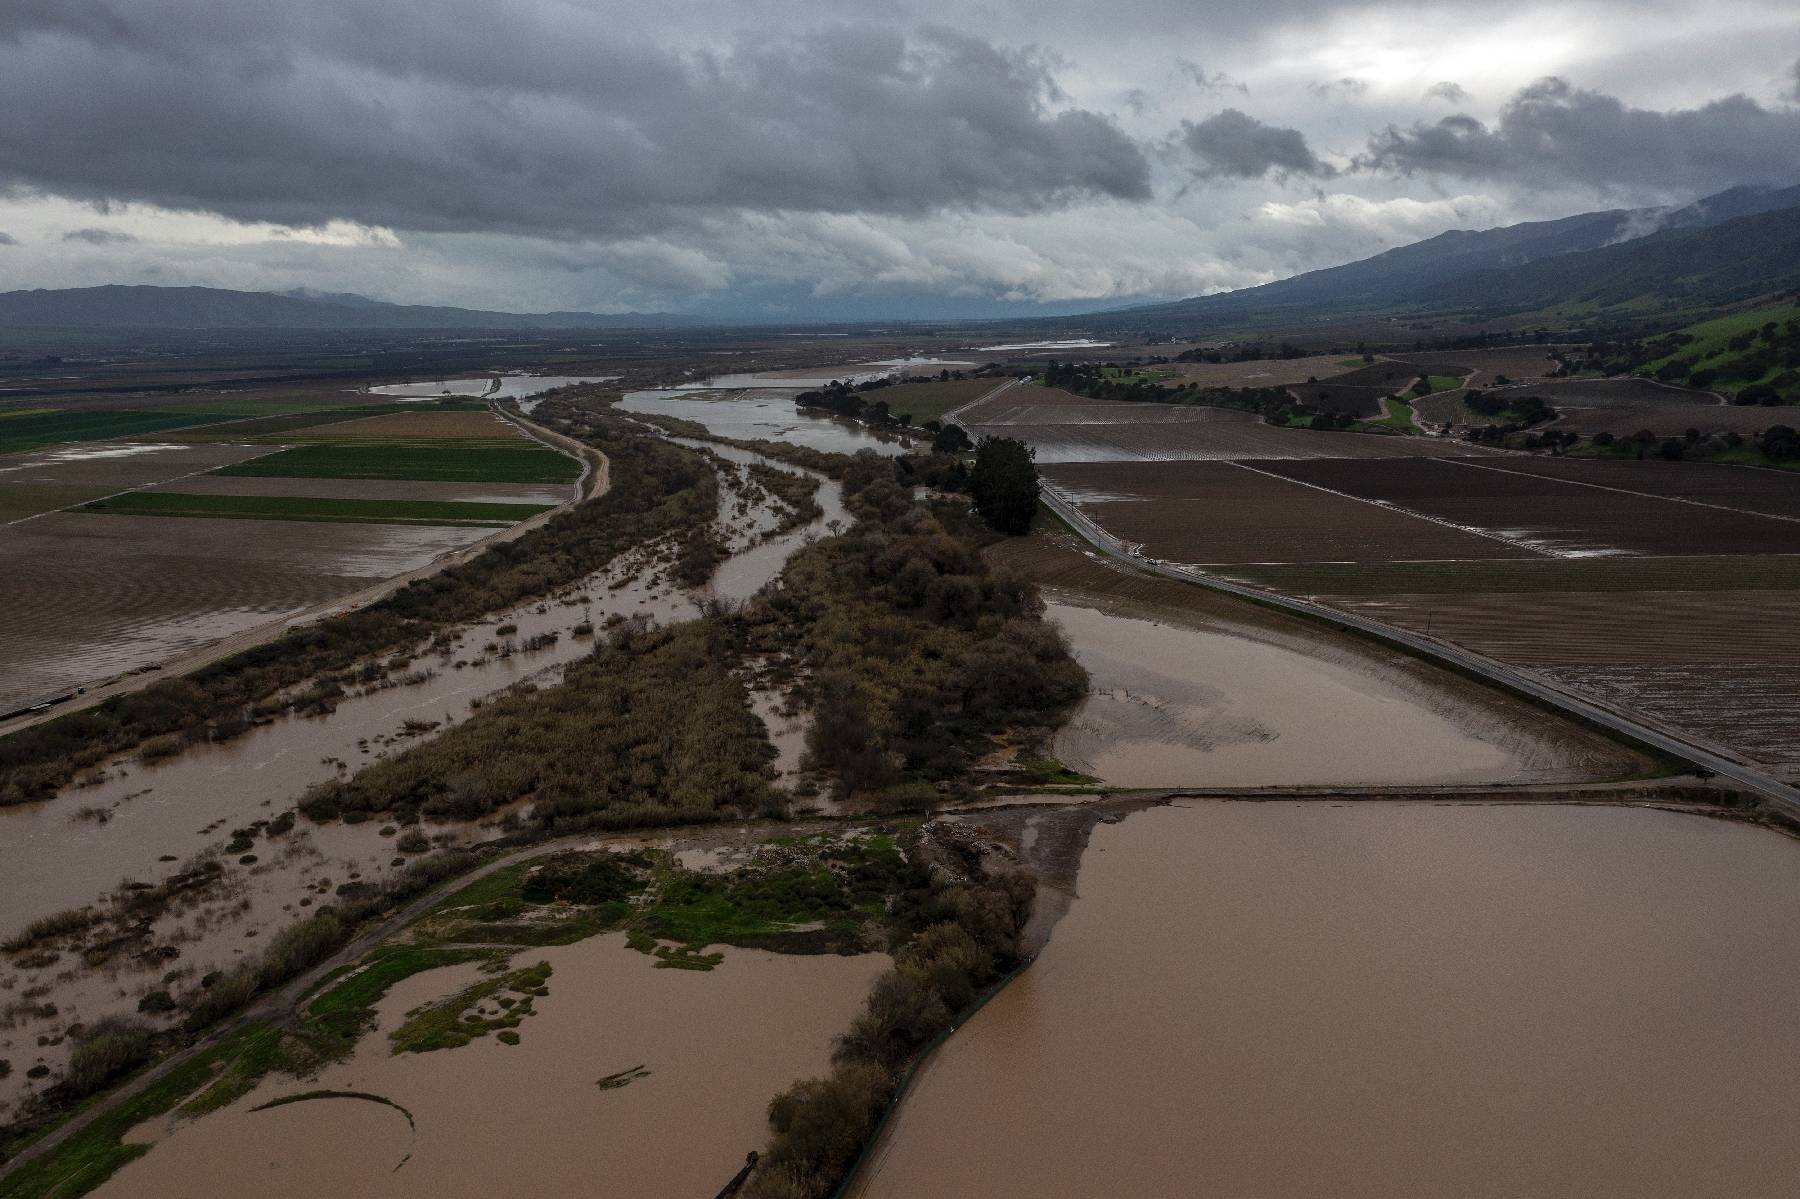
[(1781, 794)]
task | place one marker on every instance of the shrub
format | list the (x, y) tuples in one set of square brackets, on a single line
[(107, 1050)]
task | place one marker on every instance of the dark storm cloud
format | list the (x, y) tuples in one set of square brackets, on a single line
[(99, 237), (1551, 132), (1235, 145), (7, 239), (539, 119)]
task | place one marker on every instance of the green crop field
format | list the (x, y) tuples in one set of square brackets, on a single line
[(929, 401), (276, 507), (449, 462), (46, 427)]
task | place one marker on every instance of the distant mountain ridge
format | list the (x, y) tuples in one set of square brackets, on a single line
[(122, 306), (1515, 266)]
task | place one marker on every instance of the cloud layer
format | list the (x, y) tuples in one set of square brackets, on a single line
[(394, 125), (808, 157), (1554, 132)]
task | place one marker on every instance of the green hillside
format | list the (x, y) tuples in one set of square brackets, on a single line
[(1747, 354)]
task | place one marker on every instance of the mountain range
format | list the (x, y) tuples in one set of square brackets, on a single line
[(1734, 245), (118, 306)]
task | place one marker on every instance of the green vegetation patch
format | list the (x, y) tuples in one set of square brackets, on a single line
[(274, 507), (447, 462), (91, 1156), (52, 427), (1757, 351), (1399, 416), (929, 401), (491, 1005), (344, 1011)]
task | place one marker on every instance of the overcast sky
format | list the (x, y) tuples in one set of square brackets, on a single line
[(847, 159)]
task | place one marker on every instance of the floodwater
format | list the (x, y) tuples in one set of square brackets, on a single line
[(511, 387), (51, 861), (760, 415), (145, 821), (1377, 1000), (708, 1050), (1171, 706)]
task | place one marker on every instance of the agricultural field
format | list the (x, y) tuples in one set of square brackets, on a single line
[(274, 507), (223, 415), (1065, 428), (526, 462), (1227, 512), (90, 596), (1364, 403), (1263, 372), (1555, 517), (1483, 368), (929, 401), (1661, 588), (1739, 488), (1623, 406), (133, 550)]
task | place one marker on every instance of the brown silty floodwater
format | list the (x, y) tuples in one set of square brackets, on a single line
[(492, 1119), (1370, 999), (1174, 705), (145, 821)]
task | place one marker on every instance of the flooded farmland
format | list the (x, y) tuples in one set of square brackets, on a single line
[(1369, 999), (761, 415), (627, 1080)]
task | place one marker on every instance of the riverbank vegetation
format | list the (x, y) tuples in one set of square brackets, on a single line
[(965, 941), (653, 727), (912, 654), (658, 490)]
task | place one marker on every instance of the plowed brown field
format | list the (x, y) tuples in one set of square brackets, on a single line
[(1553, 515)]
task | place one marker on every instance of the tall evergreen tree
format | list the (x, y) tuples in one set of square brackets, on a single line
[(1005, 483)]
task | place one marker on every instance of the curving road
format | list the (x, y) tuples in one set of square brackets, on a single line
[(1783, 795)]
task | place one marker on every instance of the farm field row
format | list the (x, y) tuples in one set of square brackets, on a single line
[(1556, 516), (1713, 664), (1064, 428), (1664, 588), (273, 507), (131, 552), (92, 596), (524, 462)]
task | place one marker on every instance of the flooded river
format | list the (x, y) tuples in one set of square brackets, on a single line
[(704, 1052), (1364, 999), (1177, 706), (761, 415)]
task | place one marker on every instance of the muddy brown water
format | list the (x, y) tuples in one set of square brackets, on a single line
[(1282, 1000), (529, 1119), (1171, 705), (74, 849)]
